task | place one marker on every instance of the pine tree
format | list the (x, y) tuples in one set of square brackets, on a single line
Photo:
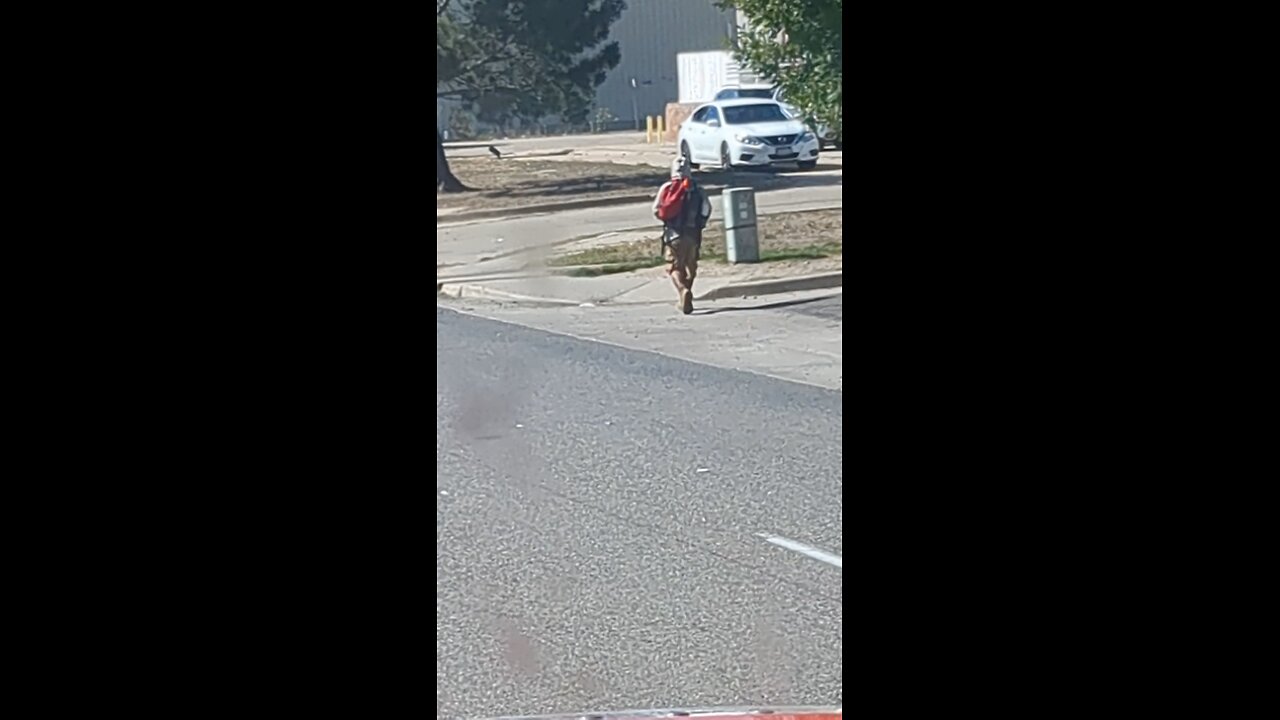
[(538, 57)]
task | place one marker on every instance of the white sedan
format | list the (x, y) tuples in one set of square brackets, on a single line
[(746, 132), (773, 92)]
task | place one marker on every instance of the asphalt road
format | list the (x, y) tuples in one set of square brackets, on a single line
[(599, 523), (831, 308)]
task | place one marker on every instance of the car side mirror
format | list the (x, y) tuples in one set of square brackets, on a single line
[(713, 123)]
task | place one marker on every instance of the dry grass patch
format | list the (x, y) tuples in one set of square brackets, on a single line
[(784, 236)]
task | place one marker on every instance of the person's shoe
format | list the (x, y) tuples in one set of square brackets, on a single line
[(686, 301)]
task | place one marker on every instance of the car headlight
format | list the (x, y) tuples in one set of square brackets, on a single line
[(748, 140), (805, 137)]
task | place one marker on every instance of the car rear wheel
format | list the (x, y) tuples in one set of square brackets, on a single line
[(684, 150), (725, 162)]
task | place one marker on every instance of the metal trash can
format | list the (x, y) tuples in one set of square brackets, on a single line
[(741, 241)]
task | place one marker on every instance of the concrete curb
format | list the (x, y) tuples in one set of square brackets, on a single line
[(771, 286), (776, 285), (543, 209), (472, 290), (442, 280)]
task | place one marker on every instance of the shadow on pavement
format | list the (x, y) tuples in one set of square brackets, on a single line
[(767, 306)]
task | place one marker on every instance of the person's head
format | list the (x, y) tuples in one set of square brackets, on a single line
[(680, 167)]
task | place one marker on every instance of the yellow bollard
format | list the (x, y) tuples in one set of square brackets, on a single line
[(662, 133), (648, 128)]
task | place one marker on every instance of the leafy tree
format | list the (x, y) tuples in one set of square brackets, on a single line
[(800, 44), (525, 58)]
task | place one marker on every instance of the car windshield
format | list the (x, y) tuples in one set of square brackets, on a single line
[(743, 114), (732, 93)]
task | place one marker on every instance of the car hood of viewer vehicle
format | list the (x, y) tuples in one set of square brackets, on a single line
[(768, 129), (772, 713)]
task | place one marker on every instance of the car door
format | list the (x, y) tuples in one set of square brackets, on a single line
[(709, 137), (691, 131)]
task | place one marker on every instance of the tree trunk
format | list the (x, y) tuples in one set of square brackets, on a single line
[(444, 176)]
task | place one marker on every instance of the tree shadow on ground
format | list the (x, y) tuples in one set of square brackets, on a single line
[(567, 188), (714, 181)]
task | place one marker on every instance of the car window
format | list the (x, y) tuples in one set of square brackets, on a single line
[(700, 115), (712, 114), (726, 94), (761, 93), (764, 112)]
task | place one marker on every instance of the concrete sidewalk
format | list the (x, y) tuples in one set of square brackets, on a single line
[(772, 336), (641, 287)]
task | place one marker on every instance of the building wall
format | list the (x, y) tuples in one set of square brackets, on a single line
[(649, 34)]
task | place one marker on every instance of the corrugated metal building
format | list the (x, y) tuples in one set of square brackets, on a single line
[(649, 34)]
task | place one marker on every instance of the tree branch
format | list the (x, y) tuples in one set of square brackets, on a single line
[(459, 92), (496, 54), (441, 7)]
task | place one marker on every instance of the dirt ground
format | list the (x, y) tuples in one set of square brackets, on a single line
[(785, 231), (798, 236), (511, 182)]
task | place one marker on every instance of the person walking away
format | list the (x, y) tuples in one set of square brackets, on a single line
[(684, 209)]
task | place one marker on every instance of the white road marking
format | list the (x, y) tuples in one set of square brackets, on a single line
[(807, 550)]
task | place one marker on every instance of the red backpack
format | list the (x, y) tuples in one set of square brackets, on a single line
[(671, 199)]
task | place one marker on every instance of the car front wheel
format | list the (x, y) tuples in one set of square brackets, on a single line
[(684, 150), (725, 162)]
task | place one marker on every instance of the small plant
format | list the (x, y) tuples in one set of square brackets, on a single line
[(601, 118)]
